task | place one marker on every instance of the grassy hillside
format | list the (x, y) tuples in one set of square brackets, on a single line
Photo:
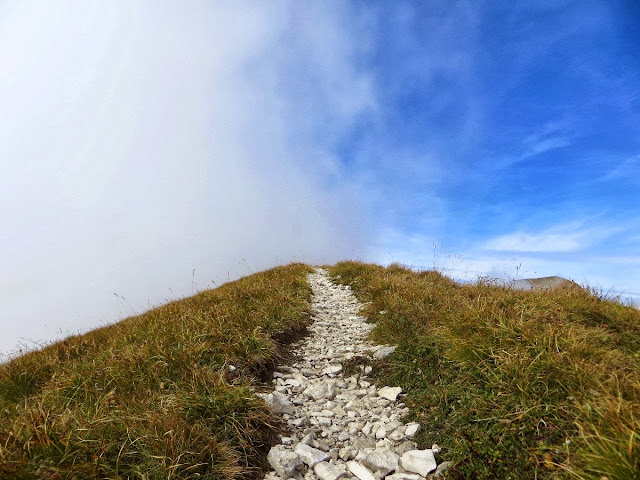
[(513, 384), (157, 395)]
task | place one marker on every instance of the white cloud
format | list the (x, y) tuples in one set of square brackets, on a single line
[(617, 260), (617, 275), (544, 145), (544, 242), (627, 169), (569, 237), (550, 136), (141, 141)]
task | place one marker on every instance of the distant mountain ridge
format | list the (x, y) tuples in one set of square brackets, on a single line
[(542, 283)]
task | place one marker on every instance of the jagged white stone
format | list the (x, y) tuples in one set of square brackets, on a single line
[(284, 461), (360, 471), (310, 455), (390, 393), (381, 460), (384, 352), (326, 471), (418, 461), (347, 453), (412, 430), (403, 476), (323, 390), (442, 468), (277, 402), (332, 370)]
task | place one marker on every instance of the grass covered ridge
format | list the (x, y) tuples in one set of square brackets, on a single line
[(153, 395), (513, 384)]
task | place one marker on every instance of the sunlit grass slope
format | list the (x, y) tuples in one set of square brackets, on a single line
[(513, 384), (153, 396)]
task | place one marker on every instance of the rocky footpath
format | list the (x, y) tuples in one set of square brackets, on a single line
[(342, 427)]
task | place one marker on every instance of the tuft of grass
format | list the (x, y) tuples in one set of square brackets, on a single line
[(513, 384), (153, 397)]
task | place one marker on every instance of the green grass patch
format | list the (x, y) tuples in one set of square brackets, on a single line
[(513, 384), (152, 396)]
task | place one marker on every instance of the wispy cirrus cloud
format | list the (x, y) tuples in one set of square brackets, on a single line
[(532, 242), (551, 136), (570, 237), (543, 145), (627, 169)]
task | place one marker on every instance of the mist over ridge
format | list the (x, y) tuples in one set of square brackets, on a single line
[(151, 151)]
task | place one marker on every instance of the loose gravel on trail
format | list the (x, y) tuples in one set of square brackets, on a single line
[(342, 427)]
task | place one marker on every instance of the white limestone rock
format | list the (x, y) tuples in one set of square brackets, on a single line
[(381, 432), (347, 453), (418, 461), (310, 455), (327, 471), (278, 403), (403, 476), (381, 460), (322, 390), (360, 471), (412, 430), (390, 393), (285, 462), (384, 352), (332, 370), (442, 468)]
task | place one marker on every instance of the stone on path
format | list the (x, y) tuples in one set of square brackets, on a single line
[(412, 430), (390, 393), (418, 461), (381, 460), (285, 462), (324, 390), (310, 455), (277, 402), (332, 370), (403, 476), (360, 471), (326, 471)]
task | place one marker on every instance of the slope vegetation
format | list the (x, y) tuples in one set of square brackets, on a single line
[(514, 384), (167, 394)]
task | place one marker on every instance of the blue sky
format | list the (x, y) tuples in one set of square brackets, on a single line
[(153, 149), (509, 136)]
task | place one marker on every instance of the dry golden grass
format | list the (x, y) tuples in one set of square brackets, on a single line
[(515, 384), (152, 397)]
